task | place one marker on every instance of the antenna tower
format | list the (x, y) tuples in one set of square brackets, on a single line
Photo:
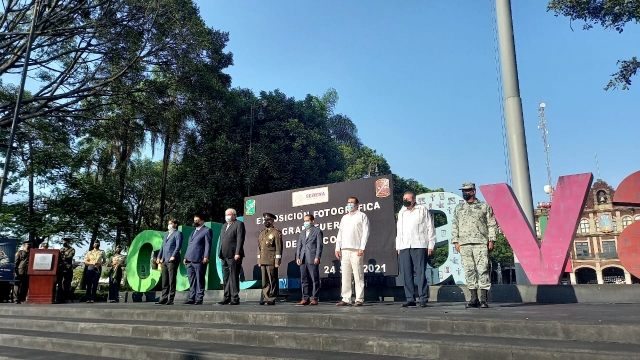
[(542, 126)]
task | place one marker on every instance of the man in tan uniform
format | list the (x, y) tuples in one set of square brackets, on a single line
[(269, 258)]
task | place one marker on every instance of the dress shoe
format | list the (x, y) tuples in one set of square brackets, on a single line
[(342, 303), (423, 304), (358, 303), (272, 302), (263, 303), (198, 303), (313, 302), (224, 302), (408, 304), (169, 303), (234, 303), (189, 302), (161, 302), (303, 302)]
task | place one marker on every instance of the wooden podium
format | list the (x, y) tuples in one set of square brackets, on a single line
[(43, 267)]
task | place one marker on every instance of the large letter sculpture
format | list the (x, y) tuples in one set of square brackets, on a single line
[(140, 275), (543, 263), (628, 194), (445, 202)]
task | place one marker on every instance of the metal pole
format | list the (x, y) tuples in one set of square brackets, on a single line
[(521, 180), (16, 112), (250, 142)]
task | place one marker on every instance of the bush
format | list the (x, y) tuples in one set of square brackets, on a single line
[(81, 295)]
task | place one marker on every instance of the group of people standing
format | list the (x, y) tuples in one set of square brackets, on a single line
[(473, 236)]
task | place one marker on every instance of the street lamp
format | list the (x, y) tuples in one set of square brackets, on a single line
[(261, 107), (375, 172), (37, 6)]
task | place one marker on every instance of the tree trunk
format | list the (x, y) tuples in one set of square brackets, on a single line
[(122, 172), (32, 211), (166, 159)]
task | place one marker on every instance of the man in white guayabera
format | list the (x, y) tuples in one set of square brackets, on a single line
[(350, 243)]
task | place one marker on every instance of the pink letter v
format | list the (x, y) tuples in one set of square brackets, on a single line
[(544, 263)]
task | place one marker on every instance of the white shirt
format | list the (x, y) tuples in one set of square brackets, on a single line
[(354, 231), (415, 229)]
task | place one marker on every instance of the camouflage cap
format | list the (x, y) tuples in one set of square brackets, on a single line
[(468, 186), (269, 216)]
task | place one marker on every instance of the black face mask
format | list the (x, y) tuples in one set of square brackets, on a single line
[(406, 203), (267, 223), (466, 196), (196, 224)]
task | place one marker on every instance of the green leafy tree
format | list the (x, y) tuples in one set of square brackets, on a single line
[(440, 255), (502, 253), (610, 14)]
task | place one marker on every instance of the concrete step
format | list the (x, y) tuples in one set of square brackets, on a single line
[(19, 353), (278, 338), (152, 349), (553, 322)]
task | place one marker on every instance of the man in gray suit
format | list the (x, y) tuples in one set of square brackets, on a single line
[(196, 259), (231, 254), (308, 256), (169, 257)]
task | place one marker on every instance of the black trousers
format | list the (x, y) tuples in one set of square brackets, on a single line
[(414, 262), (114, 284), (309, 281), (21, 288), (195, 273), (231, 279), (92, 278), (169, 274), (270, 283), (63, 285)]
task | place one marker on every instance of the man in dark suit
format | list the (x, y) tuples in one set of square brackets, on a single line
[(231, 254), (196, 259), (308, 256), (169, 257)]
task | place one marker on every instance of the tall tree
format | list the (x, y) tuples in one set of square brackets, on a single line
[(610, 14)]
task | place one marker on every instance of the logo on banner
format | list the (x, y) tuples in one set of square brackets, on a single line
[(310, 196), (250, 207), (382, 188)]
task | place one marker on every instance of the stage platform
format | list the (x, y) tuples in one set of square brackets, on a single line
[(548, 294), (381, 330)]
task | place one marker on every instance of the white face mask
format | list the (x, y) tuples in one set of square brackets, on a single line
[(227, 218), (351, 206), (170, 227)]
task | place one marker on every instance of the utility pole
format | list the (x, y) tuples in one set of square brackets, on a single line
[(519, 161)]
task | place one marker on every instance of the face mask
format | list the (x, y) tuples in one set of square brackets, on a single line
[(227, 218), (170, 227), (267, 223), (307, 224), (196, 224), (96, 246), (466, 196), (351, 206), (406, 203)]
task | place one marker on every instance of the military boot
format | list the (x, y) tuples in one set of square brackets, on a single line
[(474, 299), (484, 295)]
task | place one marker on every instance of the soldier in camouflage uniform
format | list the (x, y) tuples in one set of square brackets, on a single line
[(65, 271), (473, 233), (269, 258)]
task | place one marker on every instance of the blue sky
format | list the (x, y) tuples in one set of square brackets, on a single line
[(419, 80)]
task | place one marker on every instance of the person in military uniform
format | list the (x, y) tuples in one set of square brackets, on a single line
[(269, 258), (21, 287), (473, 233), (115, 274), (65, 271)]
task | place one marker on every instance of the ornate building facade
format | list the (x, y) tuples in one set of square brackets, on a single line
[(593, 256)]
